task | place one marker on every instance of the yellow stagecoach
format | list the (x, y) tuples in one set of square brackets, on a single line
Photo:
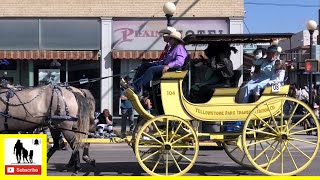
[(271, 138)]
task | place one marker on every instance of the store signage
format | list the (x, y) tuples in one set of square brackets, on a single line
[(144, 34)]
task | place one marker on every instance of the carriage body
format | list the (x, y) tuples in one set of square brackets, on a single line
[(171, 135)]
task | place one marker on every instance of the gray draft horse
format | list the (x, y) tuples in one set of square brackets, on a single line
[(56, 107)]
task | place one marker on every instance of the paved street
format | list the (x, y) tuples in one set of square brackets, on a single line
[(119, 159)]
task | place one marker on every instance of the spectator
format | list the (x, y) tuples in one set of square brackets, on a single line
[(105, 122), (126, 110)]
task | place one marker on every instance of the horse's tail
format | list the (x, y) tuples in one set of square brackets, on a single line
[(83, 113), (91, 106)]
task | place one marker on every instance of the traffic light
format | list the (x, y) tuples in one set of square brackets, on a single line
[(312, 65)]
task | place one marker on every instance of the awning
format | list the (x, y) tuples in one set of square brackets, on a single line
[(152, 55), (49, 55)]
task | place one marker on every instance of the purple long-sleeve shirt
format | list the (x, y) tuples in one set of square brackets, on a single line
[(176, 57)]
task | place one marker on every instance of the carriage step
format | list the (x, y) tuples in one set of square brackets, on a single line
[(63, 118)]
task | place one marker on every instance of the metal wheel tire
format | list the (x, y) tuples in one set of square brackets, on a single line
[(284, 148), (171, 147)]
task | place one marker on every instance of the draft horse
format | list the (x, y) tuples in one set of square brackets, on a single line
[(65, 110)]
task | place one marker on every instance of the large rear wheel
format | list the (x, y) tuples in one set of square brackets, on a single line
[(285, 149)]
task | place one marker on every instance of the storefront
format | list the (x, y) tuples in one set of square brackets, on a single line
[(33, 46)]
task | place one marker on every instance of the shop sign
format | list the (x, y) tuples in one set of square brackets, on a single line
[(144, 34)]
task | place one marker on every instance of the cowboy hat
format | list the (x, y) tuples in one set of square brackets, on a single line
[(274, 49), (175, 35), (168, 30)]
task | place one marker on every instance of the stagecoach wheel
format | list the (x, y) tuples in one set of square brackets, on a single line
[(234, 150), (237, 154), (169, 148), (284, 147)]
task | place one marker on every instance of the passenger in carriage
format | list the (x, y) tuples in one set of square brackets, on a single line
[(173, 60), (218, 74), (267, 70), (277, 77), (258, 54)]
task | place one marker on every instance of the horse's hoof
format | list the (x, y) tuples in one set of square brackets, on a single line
[(74, 174)]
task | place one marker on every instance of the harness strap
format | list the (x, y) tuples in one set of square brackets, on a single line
[(9, 95)]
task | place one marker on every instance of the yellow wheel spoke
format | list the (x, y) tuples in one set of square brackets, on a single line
[(299, 150), (175, 161), (281, 114), (155, 166), (150, 146), (300, 140), (150, 155), (152, 137), (274, 147), (281, 154), (274, 151), (175, 132), (181, 138), (156, 127), (274, 121), (304, 117), (167, 130), (182, 147), (167, 164), (267, 123), (289, 152), (305, 130), (264, 151), (292, 113), (181, 155), (265, 140), (262, 132)]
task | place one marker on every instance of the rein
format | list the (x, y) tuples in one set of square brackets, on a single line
[(23, 120)]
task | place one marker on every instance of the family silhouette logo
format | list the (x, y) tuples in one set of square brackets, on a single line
[(23, 156)]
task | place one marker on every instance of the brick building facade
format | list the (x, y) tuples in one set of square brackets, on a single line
[(119, 8)]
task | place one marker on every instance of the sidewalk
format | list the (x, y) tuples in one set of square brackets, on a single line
[(113, 140)]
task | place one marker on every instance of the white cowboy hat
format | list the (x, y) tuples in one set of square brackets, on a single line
[(175, 35), (168, 30)]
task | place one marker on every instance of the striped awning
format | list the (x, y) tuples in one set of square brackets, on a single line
[(48, 55), (152, 55)]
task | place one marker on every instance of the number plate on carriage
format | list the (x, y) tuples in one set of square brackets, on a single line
[(275, 87)]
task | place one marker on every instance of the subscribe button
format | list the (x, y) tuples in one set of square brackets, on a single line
[(23, 170)]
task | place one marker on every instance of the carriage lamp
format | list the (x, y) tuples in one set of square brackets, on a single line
[(311, 26), (169, 9)]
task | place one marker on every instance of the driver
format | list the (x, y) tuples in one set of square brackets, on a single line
[(173, 60)]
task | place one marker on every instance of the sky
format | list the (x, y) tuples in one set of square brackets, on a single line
[(279, 19)]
